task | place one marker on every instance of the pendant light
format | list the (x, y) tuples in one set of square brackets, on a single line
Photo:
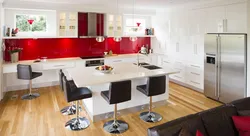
[(133, 38), (100, 39), (117, 38)]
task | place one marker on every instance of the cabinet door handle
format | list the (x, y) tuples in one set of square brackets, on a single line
[(195, 82), (195, 73), (177, 47), (195, 66), (178, 76), (166, 62), (59, 65), (195, 49), (117, 61)]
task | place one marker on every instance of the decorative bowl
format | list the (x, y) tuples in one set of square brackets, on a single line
[(104, 69)]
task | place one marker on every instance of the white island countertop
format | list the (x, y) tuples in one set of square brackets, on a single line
[(122, 71)]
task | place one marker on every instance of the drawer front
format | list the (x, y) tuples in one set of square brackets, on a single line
[(178, 65), (10, 69), (195, 75), (58, 65), (179, 76), (195, 84)]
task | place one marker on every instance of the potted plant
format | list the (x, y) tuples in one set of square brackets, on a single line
[(14, 54)]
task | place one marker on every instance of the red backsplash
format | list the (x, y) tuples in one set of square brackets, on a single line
[(71, 47)]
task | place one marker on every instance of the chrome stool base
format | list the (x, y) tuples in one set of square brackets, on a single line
[(30, 96), (150, 117), (115, 127), (69, 110), (77, 124)]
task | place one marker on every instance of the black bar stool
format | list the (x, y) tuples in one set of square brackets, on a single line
[(73, 93), (68, 110), (24, 72), (118, 92), (155, 86)]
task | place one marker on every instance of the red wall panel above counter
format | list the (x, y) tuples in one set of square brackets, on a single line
[(71, 47)]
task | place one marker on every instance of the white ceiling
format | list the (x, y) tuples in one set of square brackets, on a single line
[(105, 5), (111, 3)]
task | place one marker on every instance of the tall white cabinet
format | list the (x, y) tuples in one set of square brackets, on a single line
[(184, 51)]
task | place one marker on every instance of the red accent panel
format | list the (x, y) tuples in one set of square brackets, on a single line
[(82, 24), (75, 47), (242, 124)]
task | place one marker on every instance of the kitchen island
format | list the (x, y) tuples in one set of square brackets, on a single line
[(96, 81)]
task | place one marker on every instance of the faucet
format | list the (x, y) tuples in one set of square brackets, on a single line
[(143, 51)]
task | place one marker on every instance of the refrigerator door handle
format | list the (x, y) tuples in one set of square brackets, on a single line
[(216, 67), (219, 66)]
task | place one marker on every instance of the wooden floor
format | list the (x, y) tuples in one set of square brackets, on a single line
[(42, 117)]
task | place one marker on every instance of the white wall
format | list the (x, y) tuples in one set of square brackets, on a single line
[(1, 55), (10, 14)]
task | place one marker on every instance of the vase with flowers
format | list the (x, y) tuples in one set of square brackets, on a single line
[(14, 54)]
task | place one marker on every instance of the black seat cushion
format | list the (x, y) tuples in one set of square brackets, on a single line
[(36, 74), (105, 95), (79, 94), (142, 88), (218, 121), (173, 128)]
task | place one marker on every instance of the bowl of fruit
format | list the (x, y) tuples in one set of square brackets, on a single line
[(104, 69)]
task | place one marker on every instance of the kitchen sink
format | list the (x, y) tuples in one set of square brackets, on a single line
[(151, 67)]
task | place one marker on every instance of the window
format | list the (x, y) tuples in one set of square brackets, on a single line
[(135, 26), (39, 24)]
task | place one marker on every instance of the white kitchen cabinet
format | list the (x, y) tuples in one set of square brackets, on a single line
[(111, 61), (114, 25), (236, 18), (67, 24), (58, 65), (230, 18), (195, 76), (179, 66), (214, 19)]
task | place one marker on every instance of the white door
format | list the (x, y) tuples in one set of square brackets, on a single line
[(214, 19), (236, 18)]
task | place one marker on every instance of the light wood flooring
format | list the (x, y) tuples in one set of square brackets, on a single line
[(42, 117)]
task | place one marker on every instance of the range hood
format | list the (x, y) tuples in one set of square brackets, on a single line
[(91, 25)]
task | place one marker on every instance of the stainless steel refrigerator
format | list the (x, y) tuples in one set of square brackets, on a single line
[(225, 66)]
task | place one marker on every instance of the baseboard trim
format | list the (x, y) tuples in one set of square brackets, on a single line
[(187, 85), (34, 85)]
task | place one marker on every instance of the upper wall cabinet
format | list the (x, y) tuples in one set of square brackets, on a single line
[(231, 18), (67, 24), (236, 18), (114, 25), (214, 19)]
